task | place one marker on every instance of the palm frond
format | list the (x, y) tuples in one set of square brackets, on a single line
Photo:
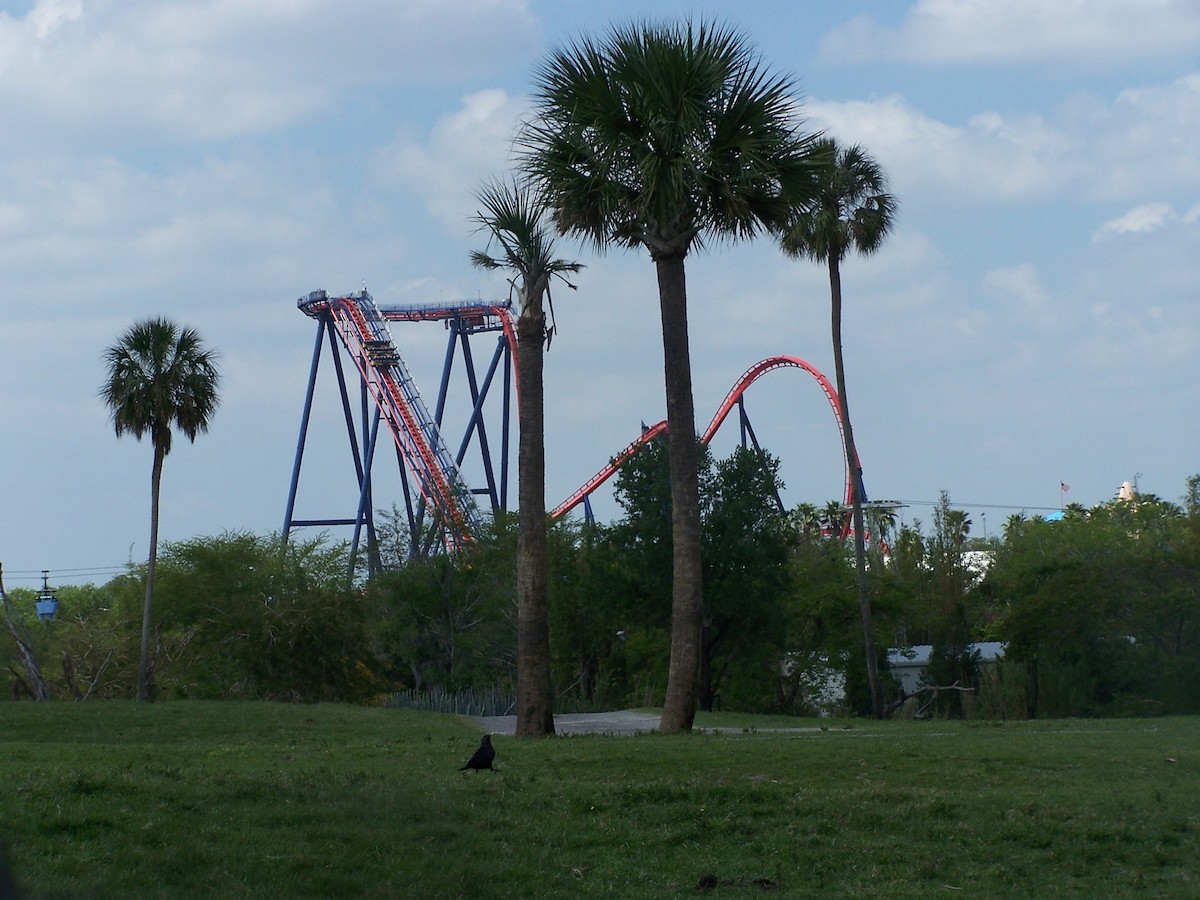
[(852, 209), (665, 135), (160, 377), (514, 216)]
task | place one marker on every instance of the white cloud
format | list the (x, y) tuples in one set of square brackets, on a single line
[(989, 157), (1134, 341), (1139, 220), (1121, 148), (47, 15), (1013, 31), (1020, 285), (105, 235), (1144, 140), (464, 148), (210, 69)]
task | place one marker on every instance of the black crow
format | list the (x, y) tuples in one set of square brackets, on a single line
[(482, 759)]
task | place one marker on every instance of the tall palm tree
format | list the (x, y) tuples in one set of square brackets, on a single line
[(160, 378), (852, 212), (659, 136), (514, 218)]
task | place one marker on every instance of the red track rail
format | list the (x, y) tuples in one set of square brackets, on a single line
[(735, 393), (436, 483), (439, 312)]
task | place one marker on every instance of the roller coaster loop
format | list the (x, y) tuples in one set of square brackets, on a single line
[(732, 399)]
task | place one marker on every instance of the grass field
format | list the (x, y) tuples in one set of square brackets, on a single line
[(256, 800)]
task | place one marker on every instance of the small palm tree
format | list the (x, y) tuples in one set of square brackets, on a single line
[(833, 518), (658, 136), (853, 211), (806, 519), (160, 377), (513, 217)]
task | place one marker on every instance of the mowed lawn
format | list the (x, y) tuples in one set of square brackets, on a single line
[(195, 799)]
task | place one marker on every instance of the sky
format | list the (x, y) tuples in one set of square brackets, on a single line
[(1032, 323)]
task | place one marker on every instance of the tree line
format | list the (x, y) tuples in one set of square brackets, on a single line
[(1100, 610)]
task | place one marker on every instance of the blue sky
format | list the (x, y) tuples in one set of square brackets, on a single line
[(1033, 320)]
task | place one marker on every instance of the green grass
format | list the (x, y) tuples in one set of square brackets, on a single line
[(255, 800)]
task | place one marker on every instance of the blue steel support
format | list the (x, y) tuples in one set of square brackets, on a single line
[(476, 424), (364, 499), (324, 330), (438, 413), (414, 526), (304, 420), (447, 366), (747, 431), (368, 440)]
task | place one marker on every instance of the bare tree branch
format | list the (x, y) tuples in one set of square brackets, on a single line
[(24, 646)]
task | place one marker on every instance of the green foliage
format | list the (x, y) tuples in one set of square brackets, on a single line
[(235, 618), (746, 543), (240, 618), (852, 210), (1104, 608), (449, 623), (1100, 611), (611, 595)]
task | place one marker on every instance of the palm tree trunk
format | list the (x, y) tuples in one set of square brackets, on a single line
[(535, 692), (145, 687), (687, 602), (860, 549)]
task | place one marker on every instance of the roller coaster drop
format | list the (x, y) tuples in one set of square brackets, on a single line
[(431, 476)]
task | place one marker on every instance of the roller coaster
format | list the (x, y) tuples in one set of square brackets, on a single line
[(441, 510)]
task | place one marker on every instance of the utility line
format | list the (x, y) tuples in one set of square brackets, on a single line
[(36, 574), (958, 504)]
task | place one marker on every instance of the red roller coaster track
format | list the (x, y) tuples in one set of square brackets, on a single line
[(735, 393), (362, 327)]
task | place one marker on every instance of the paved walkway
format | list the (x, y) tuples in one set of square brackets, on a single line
[(622, 722), (619, 722)]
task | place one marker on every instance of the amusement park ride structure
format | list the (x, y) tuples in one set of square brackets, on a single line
[(439, 507)]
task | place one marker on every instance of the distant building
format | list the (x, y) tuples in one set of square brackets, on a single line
[(908, 664)]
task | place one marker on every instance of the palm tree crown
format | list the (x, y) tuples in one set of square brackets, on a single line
[(513, 215), (160, 377), (657, 135), (852, 211)]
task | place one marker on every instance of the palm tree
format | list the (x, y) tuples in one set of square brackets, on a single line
[(657, 136), (881, 525), (513, 217), (160, 377), (833, 519), (853, 211), (806, 519)]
